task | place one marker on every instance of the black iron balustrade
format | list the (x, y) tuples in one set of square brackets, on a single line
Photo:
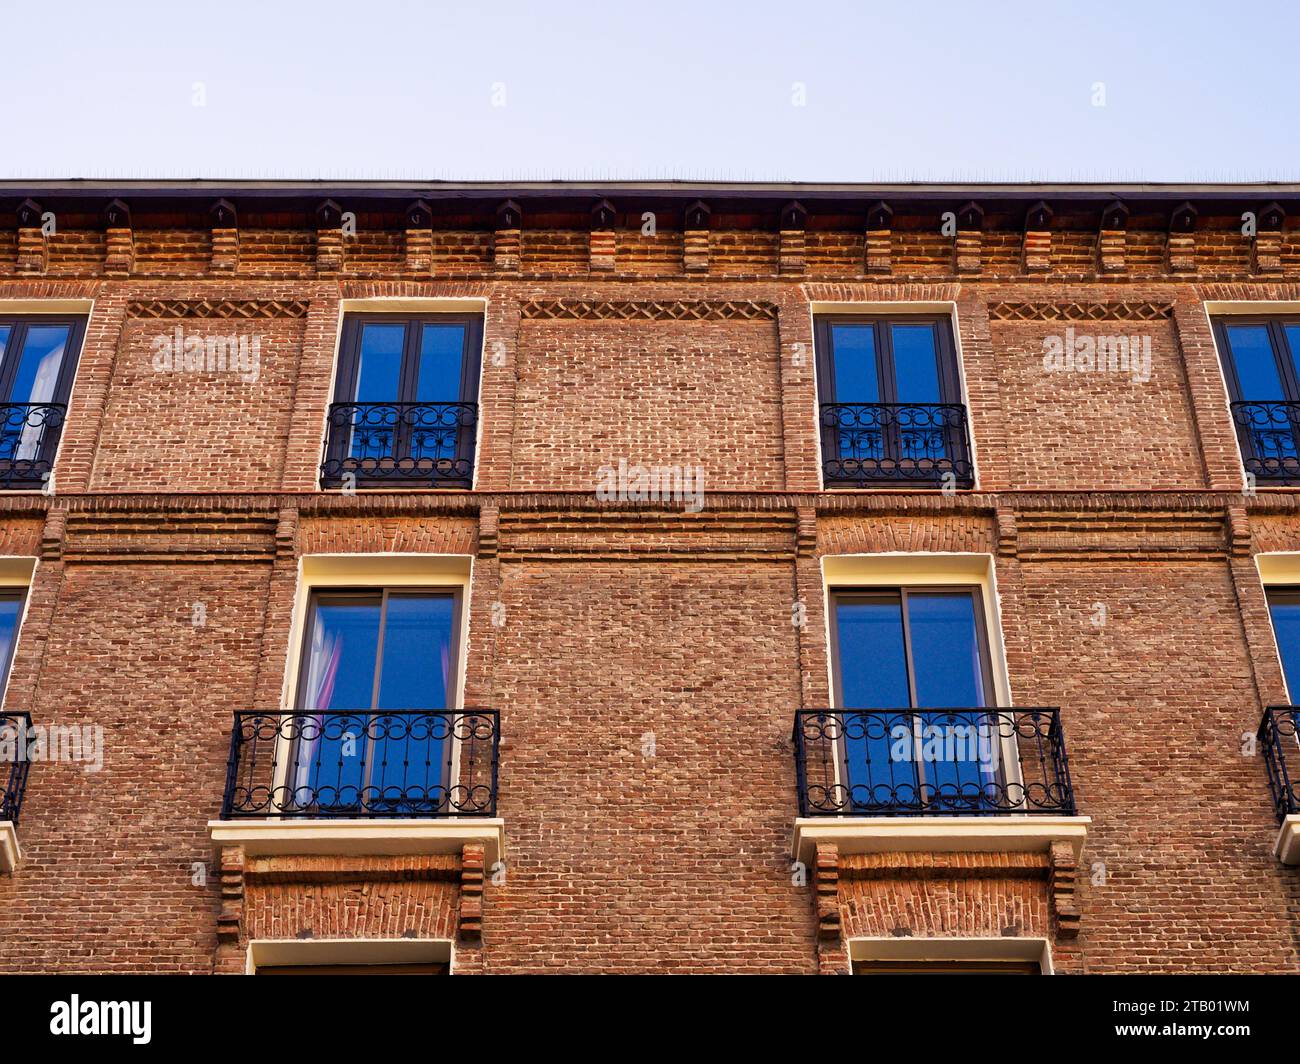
[(1279, 744), (29, 438), (865, 444), (362, 763), (931, 762), (15, 730), (1269, 434), (380, 443)]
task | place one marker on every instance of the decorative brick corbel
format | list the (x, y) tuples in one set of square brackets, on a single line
[(286, 534), (225, 237), (53, 534), (230, 919), (805, 534), (1008, 545), (695, 245), (506, 238), (33, 248), (329, 239), (1180, 245), (792, 253), (1038, 238), (826, 886), (1112, 239), (419, 238), (1064, 879), (602, 242), (1266, 249), (471, 891), (1239, 537), (488, 517), (119, 253), (968, 244), (879, 238)]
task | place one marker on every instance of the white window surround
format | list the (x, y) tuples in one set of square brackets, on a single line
[(945, 307), (62, 307), (272, 952), (406, 305), (930, 833), (942, 949), (15, 571), (1282, 568), (377, 836)]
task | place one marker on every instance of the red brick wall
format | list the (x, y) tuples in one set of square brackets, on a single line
[(621, 624)]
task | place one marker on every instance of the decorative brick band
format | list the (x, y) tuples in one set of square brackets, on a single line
[(1145, 311), (649, 310), (218, 308)]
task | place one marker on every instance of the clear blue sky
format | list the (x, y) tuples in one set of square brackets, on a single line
[(893, 91)]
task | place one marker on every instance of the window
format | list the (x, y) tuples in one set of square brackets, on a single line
[(918, 658), (891, 402), (376, 667), (38, 359), (1259, 366), (405, 402), (11, 613), (1284, 609)]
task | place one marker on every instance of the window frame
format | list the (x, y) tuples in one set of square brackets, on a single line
[(76, 323), (1288, 374), (348, 367), (20, 593), (958, 443)]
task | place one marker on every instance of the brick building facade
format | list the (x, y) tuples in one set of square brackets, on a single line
[(1128, 528)]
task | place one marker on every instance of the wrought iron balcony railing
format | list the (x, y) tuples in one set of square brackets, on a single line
[(1268, 433), (14, 731), (1279, 743), (382, 443), (29, 438), (367, 763), (865, 444), (931, 762)]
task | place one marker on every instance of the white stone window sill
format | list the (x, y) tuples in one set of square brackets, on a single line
[(1288, 841), (10, 852), (937, 834), (270, 837)]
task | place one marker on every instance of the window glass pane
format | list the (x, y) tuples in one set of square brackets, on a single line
[(945, 649), (39, 363), (417, 651), (5, 330), (873, 675), (853, 348), (1252, 355), (441, 349), (380, 371), (1285, 610), (916, 363), (10, 609), (873, 668)]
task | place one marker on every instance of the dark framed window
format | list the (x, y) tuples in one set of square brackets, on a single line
[(377, 664), (890, 401), (916, 659), (38, 360), (1284, 611), (405, 401), (11, 616), (1259, 366)]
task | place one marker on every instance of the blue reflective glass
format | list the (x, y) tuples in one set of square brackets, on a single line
[(441, 350), (379, 374), (854, 350), (1286, 629), (1252, 355), (10, 610), (916, 363)]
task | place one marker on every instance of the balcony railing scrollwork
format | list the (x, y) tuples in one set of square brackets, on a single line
[(867, 444), (15, 730), (381, 443), (931, 762), (29, 438), (1279, 745), (1269, 434), (363, 763)]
